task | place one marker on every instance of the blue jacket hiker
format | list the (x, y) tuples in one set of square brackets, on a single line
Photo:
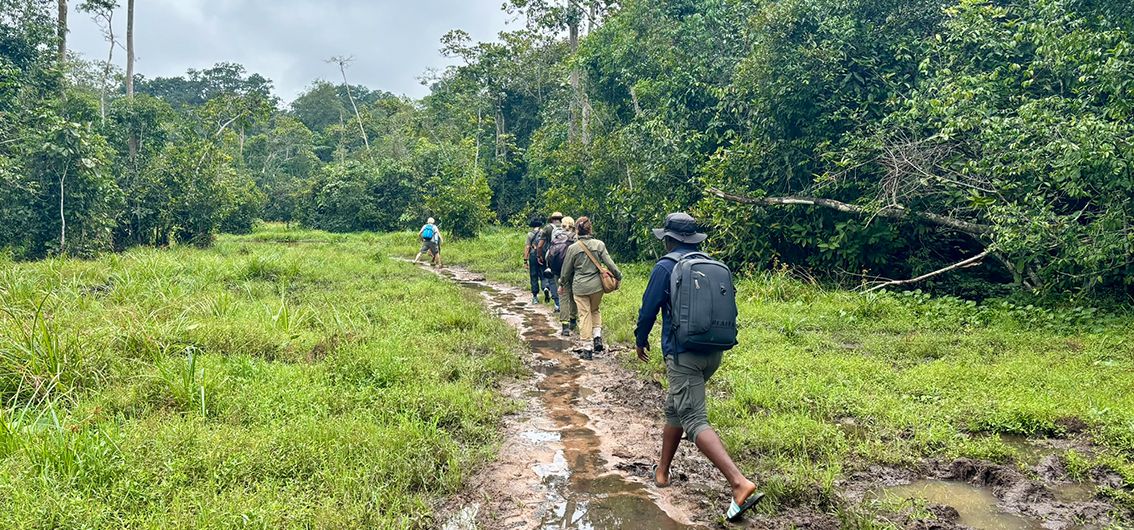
[(431, 241), (686, 372), (655, 299)]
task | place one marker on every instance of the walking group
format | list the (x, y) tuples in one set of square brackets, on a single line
[(696, 298), (694, 294), (567, 265)]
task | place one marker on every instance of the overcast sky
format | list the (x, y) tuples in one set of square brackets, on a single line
[(287, 41)]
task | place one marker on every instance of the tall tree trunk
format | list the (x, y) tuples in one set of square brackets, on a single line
[(106, 67), (130, 50), (62, 31), (573, 110), (343, 62), (62, 216), (133, 141), (342, 137), (479, 117), (501, 149)]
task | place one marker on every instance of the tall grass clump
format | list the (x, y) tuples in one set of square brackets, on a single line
[(36, 360)]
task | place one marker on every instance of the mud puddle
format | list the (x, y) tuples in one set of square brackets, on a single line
[(975, 494), (976, 507), (556, 468)]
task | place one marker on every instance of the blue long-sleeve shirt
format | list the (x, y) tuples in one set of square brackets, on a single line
[(656, 298)]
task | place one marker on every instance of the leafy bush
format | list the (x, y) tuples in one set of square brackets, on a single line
[(356, 195)]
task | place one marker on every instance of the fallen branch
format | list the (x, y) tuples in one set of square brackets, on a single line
[(894, 212), (971, 262)]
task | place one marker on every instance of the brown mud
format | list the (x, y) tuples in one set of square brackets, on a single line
[(1035, 493), (579, 454)]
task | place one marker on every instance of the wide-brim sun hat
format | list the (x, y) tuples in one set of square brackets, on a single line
[(682, 227)]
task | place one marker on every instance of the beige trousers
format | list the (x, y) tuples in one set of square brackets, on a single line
[(589, 315)]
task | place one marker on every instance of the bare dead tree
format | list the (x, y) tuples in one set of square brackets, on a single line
[(894, 212), (343, 63), (976, 231), (102, 12), (970, 262), (919, 168)]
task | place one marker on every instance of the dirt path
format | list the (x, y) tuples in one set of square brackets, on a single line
[(578, 454)]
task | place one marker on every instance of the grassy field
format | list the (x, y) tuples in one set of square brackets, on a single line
[(283, 379), (302, 379), (828, 381)]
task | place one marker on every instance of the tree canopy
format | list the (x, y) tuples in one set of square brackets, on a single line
[(858, 139)]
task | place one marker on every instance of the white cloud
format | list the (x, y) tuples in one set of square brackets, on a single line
[(288, 41)]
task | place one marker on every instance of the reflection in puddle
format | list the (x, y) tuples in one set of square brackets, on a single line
[(556, 468), (540, 437), (976, 506)]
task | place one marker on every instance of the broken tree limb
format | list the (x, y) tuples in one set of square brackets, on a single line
[(894, 212), (971, 262)]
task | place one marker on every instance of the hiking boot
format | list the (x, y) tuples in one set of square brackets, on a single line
[(535, 300), (557, 308), (574, 325), (566, 330), (588, 355), (598, 344)]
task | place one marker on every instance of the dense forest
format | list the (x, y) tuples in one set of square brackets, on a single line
[(857, 138)]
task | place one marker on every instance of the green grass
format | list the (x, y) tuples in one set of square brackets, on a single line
[(281, 379), (919, 376)]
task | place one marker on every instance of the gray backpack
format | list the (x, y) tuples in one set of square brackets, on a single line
[(702, 298)]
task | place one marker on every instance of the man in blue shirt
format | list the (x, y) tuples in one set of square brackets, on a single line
[(687, 372)]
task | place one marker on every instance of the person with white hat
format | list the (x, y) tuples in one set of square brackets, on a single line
[(430, 242)]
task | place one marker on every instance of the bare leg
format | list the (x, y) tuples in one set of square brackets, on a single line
[(671, 437), (417, 258), (711, 446)]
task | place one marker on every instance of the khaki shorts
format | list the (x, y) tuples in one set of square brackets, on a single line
[(685, 403), (430, 246)]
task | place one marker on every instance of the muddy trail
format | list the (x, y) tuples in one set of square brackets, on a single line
[(578, 455)]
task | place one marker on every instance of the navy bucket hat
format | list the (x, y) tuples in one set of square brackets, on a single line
[(682, 227)]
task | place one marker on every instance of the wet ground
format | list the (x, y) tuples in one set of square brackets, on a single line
[(1033, 493), (976, 507), (579, 456), (557, 468)]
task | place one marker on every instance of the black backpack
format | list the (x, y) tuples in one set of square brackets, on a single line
[(557, 251), (702, 297)]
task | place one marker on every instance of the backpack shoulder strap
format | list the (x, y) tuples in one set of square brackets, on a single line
[(678, 256), (591, 256)]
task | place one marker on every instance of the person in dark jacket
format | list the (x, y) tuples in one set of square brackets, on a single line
[(532, 260), (687, 372)]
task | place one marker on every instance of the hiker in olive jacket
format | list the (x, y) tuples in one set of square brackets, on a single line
[(581, 276)]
